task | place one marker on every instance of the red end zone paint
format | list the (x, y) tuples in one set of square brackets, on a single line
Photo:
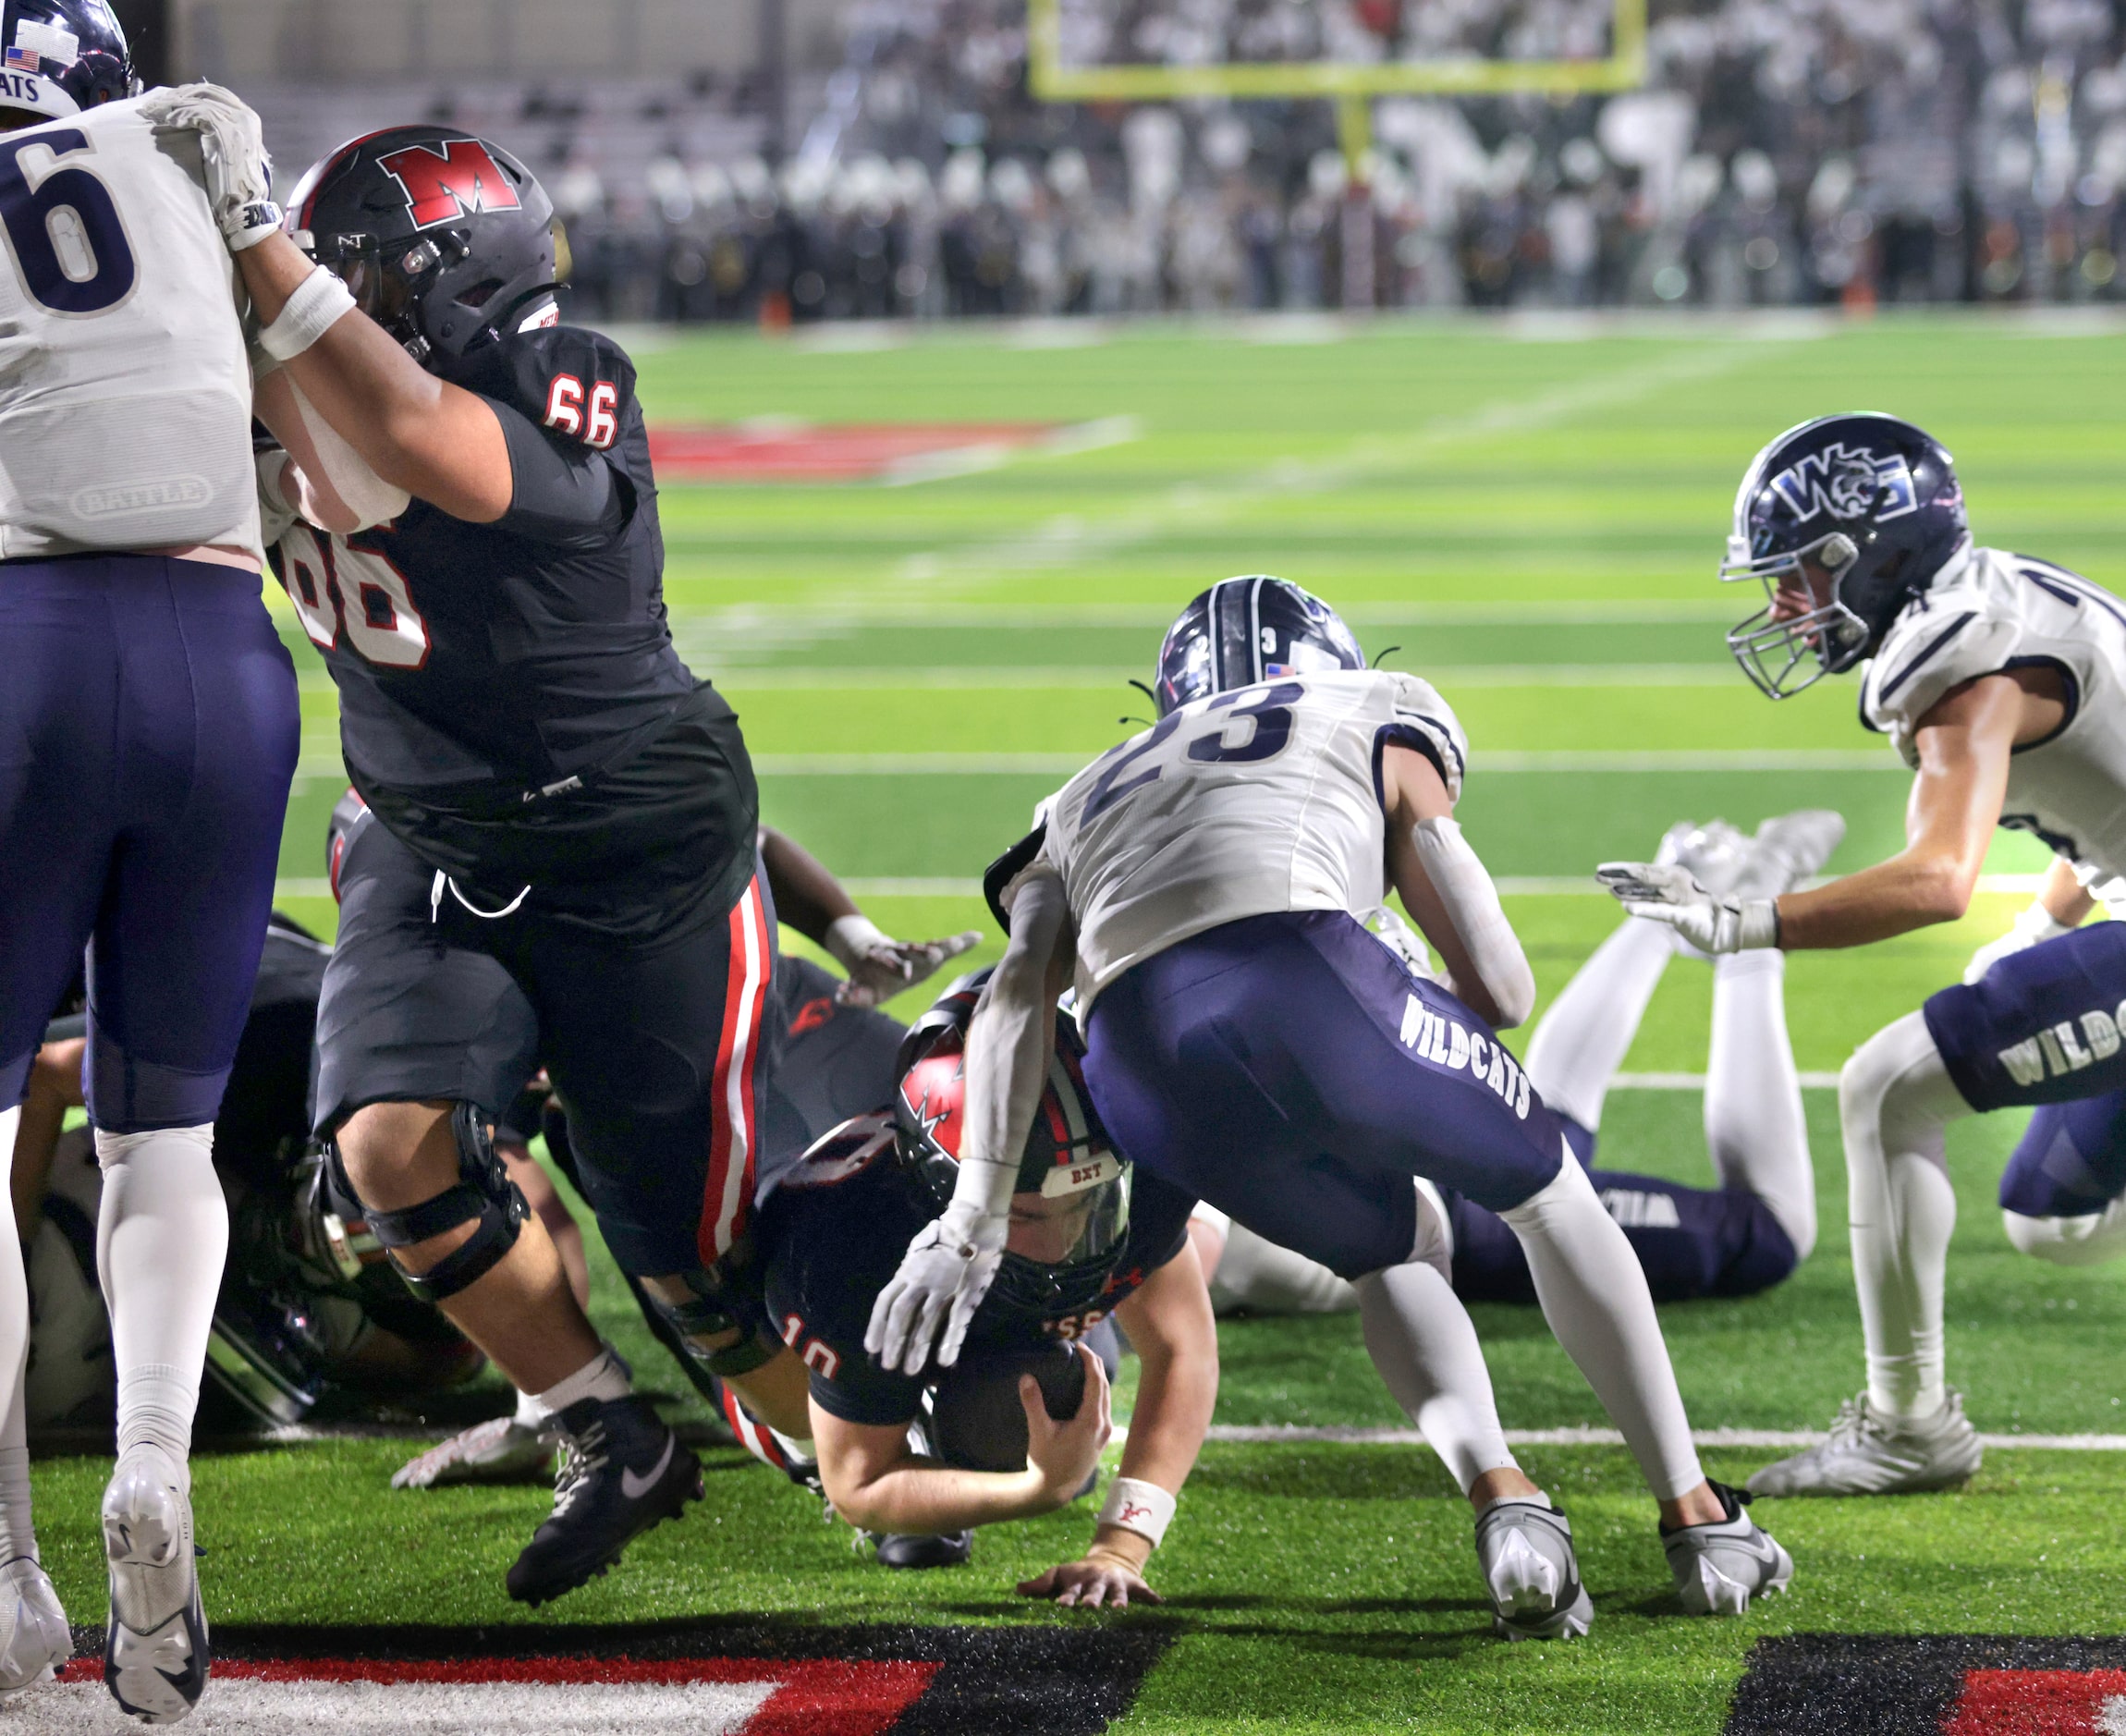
[(846, 452), (2039, 1703), (811, 1698)]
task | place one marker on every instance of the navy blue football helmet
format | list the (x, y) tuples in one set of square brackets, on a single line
[(63, 57), (1867, 498), (1248, 629)]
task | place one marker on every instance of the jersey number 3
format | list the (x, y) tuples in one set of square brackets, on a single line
[(1269, 713), (69, 244)]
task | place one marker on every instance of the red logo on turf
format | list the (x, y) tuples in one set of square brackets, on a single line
[(456, 178)]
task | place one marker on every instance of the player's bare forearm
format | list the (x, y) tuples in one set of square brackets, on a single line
[(807, 895), (2065, 899), (1011, 1038), (1963, 745), (876, 1484), (439, 443), (1176, 1337)]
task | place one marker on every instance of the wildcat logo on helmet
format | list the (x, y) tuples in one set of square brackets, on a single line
[(453, 179), (1846, 482)]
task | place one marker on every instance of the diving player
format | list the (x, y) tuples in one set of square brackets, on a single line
[(149, 715), (1998, 677), (1249, 1040), (1015, 1426), (562, 818), (1743, 1236)]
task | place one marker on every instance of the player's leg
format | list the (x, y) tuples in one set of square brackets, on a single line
[(1588, 1030), (2063, 1194), (209, 738)]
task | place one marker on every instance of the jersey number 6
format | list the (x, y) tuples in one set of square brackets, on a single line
[(1270, 713), (68, 242)]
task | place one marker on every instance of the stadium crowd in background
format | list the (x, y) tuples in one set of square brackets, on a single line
[(1783, 153)]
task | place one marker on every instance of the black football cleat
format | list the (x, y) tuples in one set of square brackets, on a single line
[(622, 1472), (911, 1553)]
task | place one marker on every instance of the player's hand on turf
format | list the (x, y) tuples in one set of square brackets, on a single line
[(1100, 1580), (943, 1278), (1065, 1453), (1664, 892), (232, 145), (888, 966)]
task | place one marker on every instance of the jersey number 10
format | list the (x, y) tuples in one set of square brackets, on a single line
[(64, 231)]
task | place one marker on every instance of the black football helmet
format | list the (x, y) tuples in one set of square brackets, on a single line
[(63, 57), (1247, 630), (447, 241), (1868, 498), (1067, 1158)]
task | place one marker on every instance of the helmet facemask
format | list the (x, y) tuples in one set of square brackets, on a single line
[(1771, 647)]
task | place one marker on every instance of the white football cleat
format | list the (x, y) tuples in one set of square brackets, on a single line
[(155, 1652), (1872, 1454), (1715, 852), (1525, 1551), (499, 1450), (1719, 1567), (1786, 849), (33, 1637)]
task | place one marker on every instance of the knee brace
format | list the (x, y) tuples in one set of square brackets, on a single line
[(725, 1299), (483, 1195)]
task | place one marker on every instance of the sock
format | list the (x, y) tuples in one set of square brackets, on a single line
[(1755, 1129), (1594, 1295), (18, 1535), (1588, 1031), (1419, 1338), (162, 1238), (531, 1413), (1895, 1102), (1260, 1275), (602, 1377)]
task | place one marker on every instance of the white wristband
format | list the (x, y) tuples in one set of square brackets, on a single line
[(849, 938), (1144, 1508), (319, 303)]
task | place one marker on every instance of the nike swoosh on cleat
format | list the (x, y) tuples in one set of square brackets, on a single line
[(635, 1488)]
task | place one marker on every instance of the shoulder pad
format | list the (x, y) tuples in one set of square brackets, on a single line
[(573, 382), (1425, 721), (997, 878), (1945, 638)]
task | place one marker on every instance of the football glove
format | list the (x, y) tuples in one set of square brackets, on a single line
[(1666, 893), (239, 173), (943, 1278), (880, 967), (2034, 925)]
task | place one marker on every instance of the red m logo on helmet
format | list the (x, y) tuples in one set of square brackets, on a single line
[(456, 178)]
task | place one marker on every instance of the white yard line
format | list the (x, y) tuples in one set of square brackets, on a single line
[(1284, 1435)]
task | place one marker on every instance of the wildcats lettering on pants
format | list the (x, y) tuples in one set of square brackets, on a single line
[(2058, 1049), (1445, 1041)]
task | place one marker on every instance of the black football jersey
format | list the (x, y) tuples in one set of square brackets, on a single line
[(834, 1231), (506, 658)]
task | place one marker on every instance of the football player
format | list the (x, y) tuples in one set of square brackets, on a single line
[(1250, 1042), (1998, 677), (151, 716), (923, 1455), (562, 818), (1741, 1237)]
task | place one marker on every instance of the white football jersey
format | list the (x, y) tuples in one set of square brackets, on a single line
[(1259, 799), (1991, 611), (125, 390)]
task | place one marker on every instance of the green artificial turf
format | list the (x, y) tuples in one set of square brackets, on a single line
[(1535, 526)]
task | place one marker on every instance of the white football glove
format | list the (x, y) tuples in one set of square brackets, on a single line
[(239, 173), (1664, 892), (943, 1278), (2034, 925), (879, 967)]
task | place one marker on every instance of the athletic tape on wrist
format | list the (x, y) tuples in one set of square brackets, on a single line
[(851, 938), (1144, 1508), (249, 225), (319, 303)]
